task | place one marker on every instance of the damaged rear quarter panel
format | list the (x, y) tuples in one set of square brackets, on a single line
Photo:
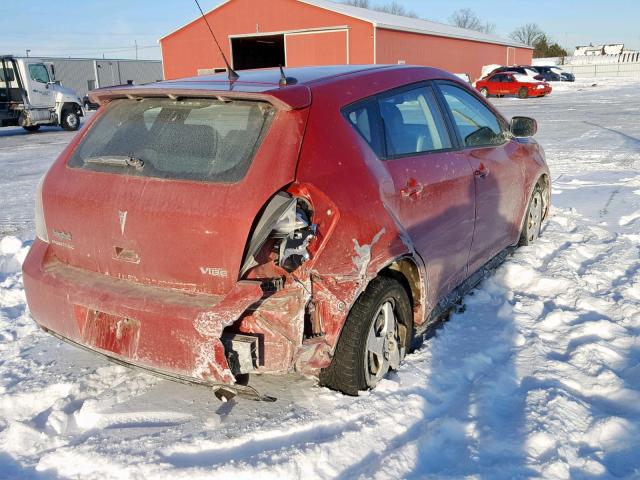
[(367, 238)]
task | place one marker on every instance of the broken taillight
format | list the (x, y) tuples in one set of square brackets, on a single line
[(281, 236), (293, 232)]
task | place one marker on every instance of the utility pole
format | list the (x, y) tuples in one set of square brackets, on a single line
[(136, 44), (28, 52)]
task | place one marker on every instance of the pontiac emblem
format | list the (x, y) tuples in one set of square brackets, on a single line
[(123, 220)]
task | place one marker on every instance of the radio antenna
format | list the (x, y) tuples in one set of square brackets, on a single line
[(233, 76)]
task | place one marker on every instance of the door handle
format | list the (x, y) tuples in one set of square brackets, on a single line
[(412, 189), (482, 171)]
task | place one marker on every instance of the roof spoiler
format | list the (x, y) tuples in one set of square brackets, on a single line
[(291, 98)]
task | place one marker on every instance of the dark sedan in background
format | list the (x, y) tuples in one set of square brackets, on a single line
[(554, 74)]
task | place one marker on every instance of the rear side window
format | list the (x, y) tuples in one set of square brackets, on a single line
[(9, 74), (364, 118), (477, 125), (190, 139), (412, 123)]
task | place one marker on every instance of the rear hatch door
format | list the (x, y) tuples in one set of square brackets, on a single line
[(164, 191)]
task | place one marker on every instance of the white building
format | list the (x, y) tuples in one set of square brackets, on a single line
[(595, 50), (85, 74)]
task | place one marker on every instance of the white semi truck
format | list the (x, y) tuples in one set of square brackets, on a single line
[(30, 97)]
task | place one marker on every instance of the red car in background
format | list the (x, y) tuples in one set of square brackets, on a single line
[(208, 228), (511, 83)]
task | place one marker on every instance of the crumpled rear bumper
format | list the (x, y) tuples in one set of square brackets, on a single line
[(151, 327)]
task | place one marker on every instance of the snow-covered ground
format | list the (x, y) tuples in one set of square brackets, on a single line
[(538, 377)]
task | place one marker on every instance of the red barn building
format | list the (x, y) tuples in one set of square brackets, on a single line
[(268, 33)]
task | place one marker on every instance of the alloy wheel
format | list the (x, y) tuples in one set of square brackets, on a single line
[(534, 221), (383, 351)]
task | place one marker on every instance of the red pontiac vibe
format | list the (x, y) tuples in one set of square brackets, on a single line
[(509, 83), (203, 229)]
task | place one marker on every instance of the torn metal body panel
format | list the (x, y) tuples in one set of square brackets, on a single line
[(208, 229)]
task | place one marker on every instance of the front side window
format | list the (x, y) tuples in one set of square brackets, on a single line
[(190, 139), (477, 125), (38, 72), (413, 123)]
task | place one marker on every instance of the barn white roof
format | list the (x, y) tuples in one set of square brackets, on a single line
[(408, 24), (397, 22)]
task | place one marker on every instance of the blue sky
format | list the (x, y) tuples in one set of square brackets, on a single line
[(111, 27)]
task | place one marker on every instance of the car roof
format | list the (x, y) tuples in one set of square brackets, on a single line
[(261, 83), (270, 77)]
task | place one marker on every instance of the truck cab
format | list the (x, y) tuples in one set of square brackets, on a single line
[(30, 96)]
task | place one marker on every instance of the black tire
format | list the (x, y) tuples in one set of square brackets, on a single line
[(347, 370), (484, 92), (523, 93), (532, 222), (32, 128), (70, 120)]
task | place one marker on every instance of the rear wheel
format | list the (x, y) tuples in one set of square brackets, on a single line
[(533, 218), (484, 92), (70, 120), (32, 128), (523, 92), (376, 336)]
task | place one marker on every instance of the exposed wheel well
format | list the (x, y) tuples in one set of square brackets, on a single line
[(545, 186), (406, 272), (71, 106)]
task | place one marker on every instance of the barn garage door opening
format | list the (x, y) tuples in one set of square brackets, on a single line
[(258, 52)]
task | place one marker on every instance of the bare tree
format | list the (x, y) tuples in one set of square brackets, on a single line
[(396, 8), (467, 18), (528, 34), (392, 7), (358, 3)]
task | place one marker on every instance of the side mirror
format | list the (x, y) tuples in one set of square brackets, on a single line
[(523, 126)]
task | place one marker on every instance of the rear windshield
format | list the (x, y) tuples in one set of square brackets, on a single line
[(190, 139)]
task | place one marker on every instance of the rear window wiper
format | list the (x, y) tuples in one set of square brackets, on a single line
[(117, 161)]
